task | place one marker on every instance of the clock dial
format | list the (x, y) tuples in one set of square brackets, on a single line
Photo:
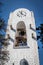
[(21, 13)]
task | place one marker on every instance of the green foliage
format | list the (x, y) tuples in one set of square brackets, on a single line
[(4, 55), (2, 23), (40, 28)]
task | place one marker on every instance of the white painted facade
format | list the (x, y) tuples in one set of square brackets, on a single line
[(29, 52)]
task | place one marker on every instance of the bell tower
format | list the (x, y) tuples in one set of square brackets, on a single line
[(23, 42)]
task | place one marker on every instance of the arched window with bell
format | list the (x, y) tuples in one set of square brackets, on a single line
[(20, 35)]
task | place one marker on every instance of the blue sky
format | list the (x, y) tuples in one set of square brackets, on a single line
[(33, 5)]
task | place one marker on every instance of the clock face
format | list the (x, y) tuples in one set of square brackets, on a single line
[(21, 14)]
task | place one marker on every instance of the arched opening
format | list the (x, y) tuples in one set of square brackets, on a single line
[(20, 35), (24, 62)]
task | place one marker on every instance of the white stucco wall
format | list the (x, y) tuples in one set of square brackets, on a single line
[(31, 53)]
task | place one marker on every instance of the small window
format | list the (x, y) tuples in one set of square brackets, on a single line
[(32, 35), (13, 64), (30, 26), (24, 62)]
